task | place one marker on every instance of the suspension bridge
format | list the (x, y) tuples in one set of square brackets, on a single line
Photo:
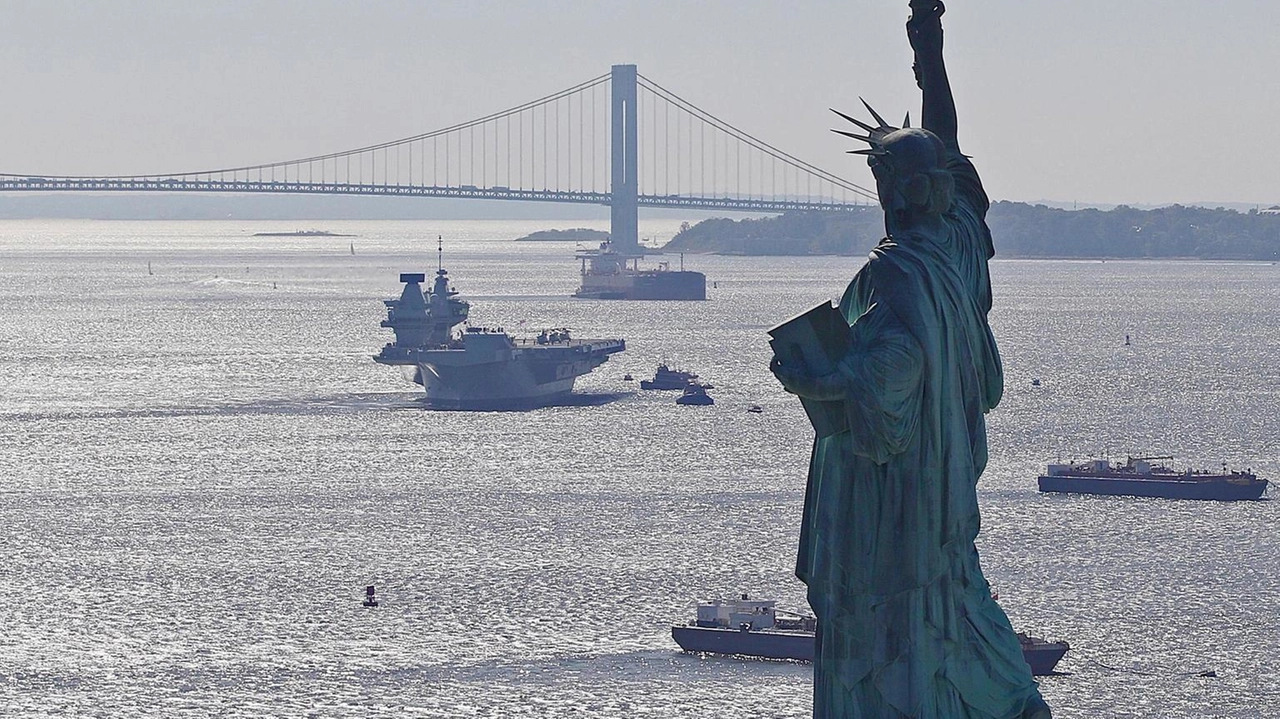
[(619, 139)]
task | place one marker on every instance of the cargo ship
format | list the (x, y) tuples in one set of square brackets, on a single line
[(611, 275), (757, 628), (1140, 477), (481, 368)]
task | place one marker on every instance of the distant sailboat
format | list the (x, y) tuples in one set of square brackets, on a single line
[(353, 248), (149, 269)]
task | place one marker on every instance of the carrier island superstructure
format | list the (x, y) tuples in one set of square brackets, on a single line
[(480, 368)]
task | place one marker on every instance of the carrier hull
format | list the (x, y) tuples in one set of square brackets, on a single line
[(529, 378), (496, 386), (507, 375)]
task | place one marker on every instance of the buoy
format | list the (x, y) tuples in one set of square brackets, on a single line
[(369, 599)]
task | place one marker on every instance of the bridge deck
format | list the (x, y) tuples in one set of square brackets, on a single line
[(163, 184)]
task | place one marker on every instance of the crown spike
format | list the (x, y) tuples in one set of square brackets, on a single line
[(906, 121), (855, 121), (856, 136), (871, 151), (883, 125)]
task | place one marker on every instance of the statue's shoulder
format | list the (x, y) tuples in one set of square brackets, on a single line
[(968, 186), (896, 254), (892, 279), (893, 266)]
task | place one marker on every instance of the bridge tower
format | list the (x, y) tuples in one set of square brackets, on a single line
[(624, 175)]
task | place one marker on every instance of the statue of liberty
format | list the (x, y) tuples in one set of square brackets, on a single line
[(907, 626)]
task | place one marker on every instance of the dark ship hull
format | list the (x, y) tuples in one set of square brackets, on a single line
[(611, 275), (769, 644), (1040, 655), (645, 285), (1220, 488), (1139, 478)]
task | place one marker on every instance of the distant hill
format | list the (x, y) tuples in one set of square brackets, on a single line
[(792, 233), (1018, 230), (577, 234)]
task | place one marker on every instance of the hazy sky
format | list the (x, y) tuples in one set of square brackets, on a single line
[(1133, 101)]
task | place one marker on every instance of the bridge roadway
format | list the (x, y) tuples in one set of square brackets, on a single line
[(163, 184)]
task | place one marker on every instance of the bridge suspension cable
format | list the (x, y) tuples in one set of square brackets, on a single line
[(712, 167), (555, 148)]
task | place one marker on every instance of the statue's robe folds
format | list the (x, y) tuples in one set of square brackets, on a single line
[(907, 624)]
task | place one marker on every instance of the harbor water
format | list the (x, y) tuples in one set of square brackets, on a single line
[(202, 468)]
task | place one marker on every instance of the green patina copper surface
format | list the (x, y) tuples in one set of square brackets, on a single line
[(907, 623)]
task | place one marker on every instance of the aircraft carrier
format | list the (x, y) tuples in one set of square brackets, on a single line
[(481, 368)]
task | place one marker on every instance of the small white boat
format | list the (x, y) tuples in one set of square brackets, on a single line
[(695, 394)]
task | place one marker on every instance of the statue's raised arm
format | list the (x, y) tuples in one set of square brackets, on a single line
[(924, 30)]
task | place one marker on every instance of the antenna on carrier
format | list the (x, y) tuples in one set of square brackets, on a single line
[(439, 252)]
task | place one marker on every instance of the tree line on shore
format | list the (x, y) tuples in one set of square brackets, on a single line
[(1018, 230)]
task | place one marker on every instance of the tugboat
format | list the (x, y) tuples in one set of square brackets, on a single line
[(748, 627), (695, 394), (757, 628), (480, 368), (667, 378), (1138, 477)]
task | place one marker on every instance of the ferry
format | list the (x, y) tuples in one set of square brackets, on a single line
[(758, 628), (1141, 477)]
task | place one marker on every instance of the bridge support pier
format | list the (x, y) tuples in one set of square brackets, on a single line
[(624, 175)]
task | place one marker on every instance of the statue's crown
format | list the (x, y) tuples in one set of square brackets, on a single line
[(875, 134)]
